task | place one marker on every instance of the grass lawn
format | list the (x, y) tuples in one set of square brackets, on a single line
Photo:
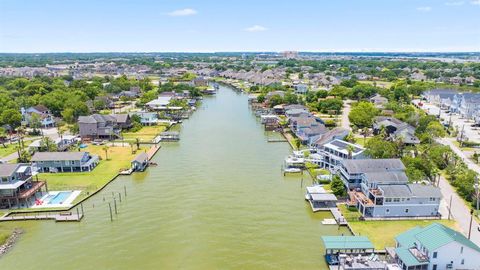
[(147, 133), (119, 158), (382, 84), (361, 141), (9, 149), (382, 233)]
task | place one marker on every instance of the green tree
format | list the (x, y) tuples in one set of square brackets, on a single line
[(11, 117), (337, 187), (363, 114), (377, 147)]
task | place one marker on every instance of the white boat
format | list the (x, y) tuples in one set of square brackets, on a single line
[(292, 170)]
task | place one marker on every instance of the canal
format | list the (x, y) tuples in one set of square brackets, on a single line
[(216, 200)]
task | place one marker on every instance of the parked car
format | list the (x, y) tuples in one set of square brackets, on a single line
[(98, 142)]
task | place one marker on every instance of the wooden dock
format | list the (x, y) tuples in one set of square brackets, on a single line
[(61, 217), (338, 217), (276, 140)]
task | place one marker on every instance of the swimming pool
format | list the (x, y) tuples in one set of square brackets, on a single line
[(60, 197)]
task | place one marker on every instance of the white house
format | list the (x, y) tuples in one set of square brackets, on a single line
[(435, 247)]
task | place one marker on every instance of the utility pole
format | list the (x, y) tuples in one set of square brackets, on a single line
[(470, 228), (477, 192)]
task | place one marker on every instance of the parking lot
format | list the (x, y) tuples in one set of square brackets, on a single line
[(471, 133)]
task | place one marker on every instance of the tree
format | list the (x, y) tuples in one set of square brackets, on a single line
[(377, 147), (48, 145), (435, 129), (275, 100), (363, 114), (261, 98), (68, 115), (337, 187), (35, 122), (106, 148), (11, 117), (3, 135)]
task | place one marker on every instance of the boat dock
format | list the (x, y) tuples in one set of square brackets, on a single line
[(276, 140), (58, 217), (338, 217)]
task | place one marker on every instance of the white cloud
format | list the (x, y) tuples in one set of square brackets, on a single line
[(183, 12), (475, 2), (424, 9), (256, 28), (455, 3)]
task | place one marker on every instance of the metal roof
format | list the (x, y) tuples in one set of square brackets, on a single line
[(347, 242), (52, 156), (433, 237)]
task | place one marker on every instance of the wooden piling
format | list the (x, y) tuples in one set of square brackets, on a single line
[(110, 207), (115, 205)]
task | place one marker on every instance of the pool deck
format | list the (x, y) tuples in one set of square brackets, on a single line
[(65, 204)]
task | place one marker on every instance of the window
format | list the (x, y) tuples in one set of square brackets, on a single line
[(388, 200), (461, 251), (396, 199), (435, 255), (463, 262), (406, 210), (434, 267), (387, 210)]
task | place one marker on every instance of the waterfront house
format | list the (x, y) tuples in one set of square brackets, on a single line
[(434, 247), (62, 143), (64, 161), (160, 103), (98, 126), (123, 121), (16, 185), (147, 118), (333, 134), (395, 129), (200, 82), (43, 113), (351, 170), (330, 155), (307, 127), (387, 194)]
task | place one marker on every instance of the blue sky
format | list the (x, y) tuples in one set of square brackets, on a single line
[(238, 25)]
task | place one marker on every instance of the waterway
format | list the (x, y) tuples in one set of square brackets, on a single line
[(216, 200)]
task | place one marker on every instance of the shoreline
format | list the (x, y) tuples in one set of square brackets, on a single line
[(11, 241)]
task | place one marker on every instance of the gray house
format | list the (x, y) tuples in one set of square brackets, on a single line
[(16, 185), (98, 126), (351, 170), (395, 129), (389, 195), (65, 161)]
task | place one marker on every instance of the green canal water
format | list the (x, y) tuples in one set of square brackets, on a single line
[(216, 200)]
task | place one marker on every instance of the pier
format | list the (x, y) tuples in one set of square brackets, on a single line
[(58, 217), (339, 218)]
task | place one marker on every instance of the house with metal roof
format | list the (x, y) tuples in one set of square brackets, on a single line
[(64, 161), (435, 247)]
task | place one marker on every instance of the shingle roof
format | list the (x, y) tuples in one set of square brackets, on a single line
[(372, 165), (95, 118), (395, 191), (120, 118), (7, 169), (396, 177), (423, 191), (52, 156)]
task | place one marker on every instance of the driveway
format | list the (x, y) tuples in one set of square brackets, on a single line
[(345, 113)]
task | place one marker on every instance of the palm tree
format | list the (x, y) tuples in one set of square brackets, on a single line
[(350, 150), (105, 148)]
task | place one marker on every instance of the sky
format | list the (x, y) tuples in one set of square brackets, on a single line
[(37, 26)]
